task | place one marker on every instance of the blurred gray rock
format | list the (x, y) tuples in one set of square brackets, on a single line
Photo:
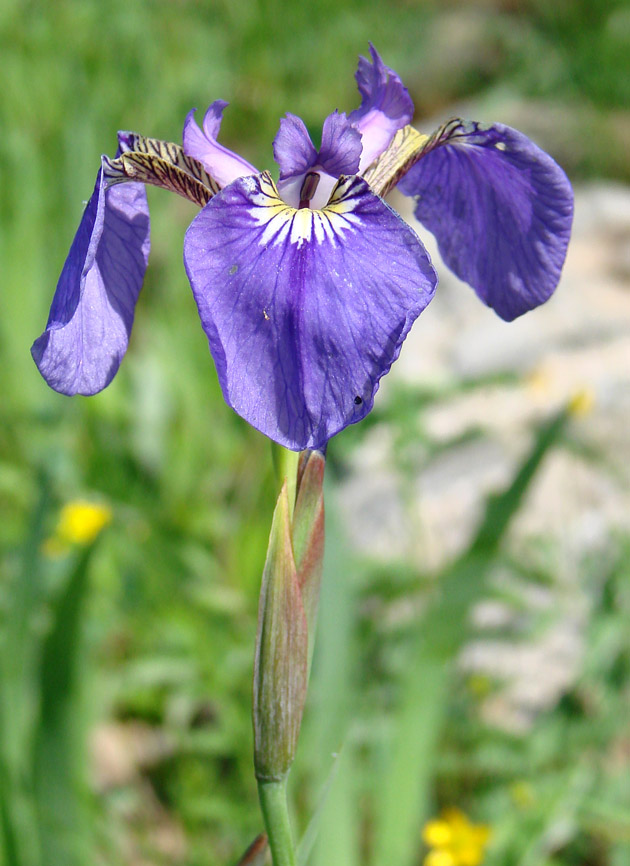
[(578, 341)]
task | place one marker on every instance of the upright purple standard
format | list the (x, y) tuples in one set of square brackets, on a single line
[(306, 287)]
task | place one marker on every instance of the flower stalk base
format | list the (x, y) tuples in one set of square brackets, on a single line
[(273, 804)]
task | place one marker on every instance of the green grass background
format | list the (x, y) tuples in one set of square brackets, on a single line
[(154, 629)]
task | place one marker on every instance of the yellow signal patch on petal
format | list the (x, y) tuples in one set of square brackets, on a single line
[(282, 222)]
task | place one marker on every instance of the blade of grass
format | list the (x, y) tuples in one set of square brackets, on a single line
[(560, 816), (19, 644), (58, 748), (17, 671), (501, 508), (307, 842), (8, 835), (338, 843), (402, 798)]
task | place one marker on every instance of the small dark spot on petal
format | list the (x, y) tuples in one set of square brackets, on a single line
[(358, 400), (233, 269)]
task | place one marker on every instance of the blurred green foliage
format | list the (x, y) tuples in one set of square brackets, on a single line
[(153, 631)]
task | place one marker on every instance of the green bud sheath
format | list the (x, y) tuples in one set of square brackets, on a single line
[(308, 535), (281, 659)]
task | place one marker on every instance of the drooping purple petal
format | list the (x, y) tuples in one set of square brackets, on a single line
[(501, 210), (385, 106), (293, 149), (304, 310), (93, 307), (340, 152), (221, 163)]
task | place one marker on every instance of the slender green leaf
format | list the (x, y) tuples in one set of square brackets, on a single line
[(403, 795), (17, 667), (335, 692), (501, 508), (59, 750)]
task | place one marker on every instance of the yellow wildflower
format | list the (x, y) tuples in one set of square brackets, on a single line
[(540, 382), (522, 794), (479, 685), (80, 521), (439, 857), (454, 840), (582, 402)]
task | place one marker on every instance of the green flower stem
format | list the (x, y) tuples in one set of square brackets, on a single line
[(286, 465), (273, 803)]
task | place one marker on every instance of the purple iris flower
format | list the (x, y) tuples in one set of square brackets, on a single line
[(306, 287)]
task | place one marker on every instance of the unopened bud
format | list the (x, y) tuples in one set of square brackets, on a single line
[(281, 660), (286, 618), (581, 402), (308, 535)]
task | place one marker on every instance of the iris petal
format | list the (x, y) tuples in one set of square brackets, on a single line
[(93, 307), (221, 163), (501, 210), (293, 149), (340, 152), (385, 106), (304, 310), (213, 117)]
